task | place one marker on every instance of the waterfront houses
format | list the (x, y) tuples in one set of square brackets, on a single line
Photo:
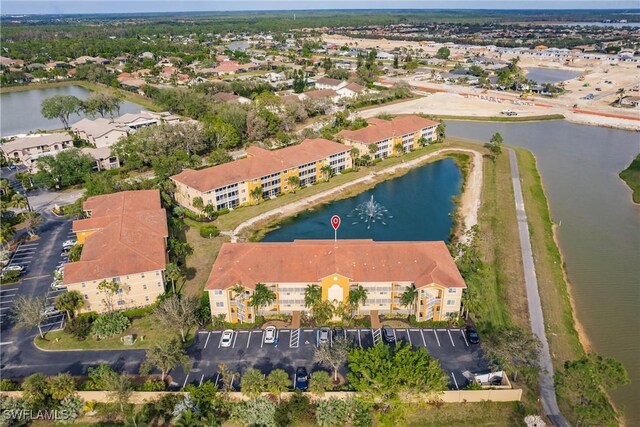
[(124, 240), (384, 138), (233, 184), (27, 149), (384, 269)]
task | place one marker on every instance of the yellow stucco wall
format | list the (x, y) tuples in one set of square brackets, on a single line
[(82, 235), (335, 279)]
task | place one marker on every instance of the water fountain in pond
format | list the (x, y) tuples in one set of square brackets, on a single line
[(370, 212)]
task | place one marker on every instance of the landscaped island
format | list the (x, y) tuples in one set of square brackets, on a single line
[(631, 176)]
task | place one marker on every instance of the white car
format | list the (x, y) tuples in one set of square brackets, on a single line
[(14, 268), (270, 334), (57, 285), (227, 336), (49, 311), (69, 244)]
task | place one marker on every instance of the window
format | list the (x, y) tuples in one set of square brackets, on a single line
[(218, 292), (86, 296), (219, 304), (144, 286), (121, 302), (142, 275), (451, 302), (116, 279), (452, 290), (84, 285), (146, 299), (157, 273)]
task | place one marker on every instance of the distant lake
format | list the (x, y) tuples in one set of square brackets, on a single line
[(549, 75), (418, 206), (20, 111)]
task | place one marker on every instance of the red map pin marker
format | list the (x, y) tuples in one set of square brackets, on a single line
[(335, 222)]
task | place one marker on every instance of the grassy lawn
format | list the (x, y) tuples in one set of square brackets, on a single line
[(146, 326), (499, 240), (199, 263), (464, 414), (558, 314), (631, 176)]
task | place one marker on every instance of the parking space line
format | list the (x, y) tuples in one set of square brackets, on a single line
[(207, 341), (359, 339), (204, 332), (220, 342), (235, 337), (294, 338), (9, 295), (414, 330), (249, 340), (185, 381), (217, 378), (201, 378), (409, 336), (465, 338), (451, 338), (424, 342), (437, 339), (455, 381)]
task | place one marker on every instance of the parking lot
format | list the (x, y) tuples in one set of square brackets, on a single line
[(296, 348), (38, 259)]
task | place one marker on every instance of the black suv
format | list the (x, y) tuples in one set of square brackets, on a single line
[(387, 334), (472, 335)]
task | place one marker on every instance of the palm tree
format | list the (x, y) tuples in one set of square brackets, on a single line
[(470, 301), (357, 297), (410, 298), (327, 172), (238, 292), (620, 93), (294, 182), (173, 273), (312, 295), (209, 210), (18, 201), (70, 302), (198, 203), (373, 148), (256, 193), (355, 154), (262, 297), (187, 419), (4, 186), (399, 148)]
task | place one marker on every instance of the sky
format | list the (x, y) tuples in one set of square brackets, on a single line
[(10, 7)]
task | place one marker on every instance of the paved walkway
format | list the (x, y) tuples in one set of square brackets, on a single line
[(547, 389)]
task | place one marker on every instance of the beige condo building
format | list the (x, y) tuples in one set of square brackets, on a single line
[(124, 241), (231, 184), (384, 269), (383, 138)]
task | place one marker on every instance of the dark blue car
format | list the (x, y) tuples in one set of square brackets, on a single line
[(302, 379)]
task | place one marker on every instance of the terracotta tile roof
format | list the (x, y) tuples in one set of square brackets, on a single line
[(321, 93), (354, 87), (260, 162), (379, 130), (308, 261), (329, 82), (130, 238)]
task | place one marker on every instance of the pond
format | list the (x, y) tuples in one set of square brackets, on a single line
[(549, 75), (414, 206), (599, 232), (20, 111)]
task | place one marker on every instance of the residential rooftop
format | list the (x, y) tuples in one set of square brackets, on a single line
[(128, 232), (260, 162), (379, 129), (309, 261)]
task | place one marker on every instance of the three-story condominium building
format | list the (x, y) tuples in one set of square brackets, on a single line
[(383, 138), (385, 269), (233, 184), (124, 241)]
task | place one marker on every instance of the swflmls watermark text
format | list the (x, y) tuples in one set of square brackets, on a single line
[(31, 415)]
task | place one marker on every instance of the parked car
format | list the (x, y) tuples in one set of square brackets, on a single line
[(472, 335), (60, 269), (323, 335), (387, 334), (227, 336), (598, 89), (588, 96), (68, 244), (270, 334), (56, 284), (302, 379), (338, 332), (49, 311), (14, 268)]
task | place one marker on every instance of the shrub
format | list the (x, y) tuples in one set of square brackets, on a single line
[(297, 410), (10, 276), (223, 211), (69, 409), (151, 385), (209, 231), (136, 313), (260, 411), (80, 327), (332, 412), (347, 170), (109, 325), (11, 406), (8, 385)]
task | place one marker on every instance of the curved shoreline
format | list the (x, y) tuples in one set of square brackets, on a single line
[(469, 202)]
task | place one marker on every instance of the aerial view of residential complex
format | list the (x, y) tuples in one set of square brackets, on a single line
[(275, 213)]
